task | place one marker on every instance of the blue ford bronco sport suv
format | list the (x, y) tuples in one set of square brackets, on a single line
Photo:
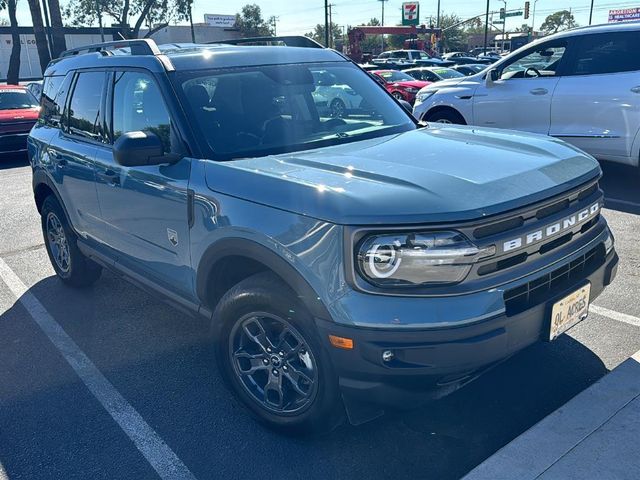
[(348, 263)]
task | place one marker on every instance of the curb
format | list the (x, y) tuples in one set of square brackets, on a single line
[(543, 445)]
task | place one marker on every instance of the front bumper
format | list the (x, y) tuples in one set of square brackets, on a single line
[(431, 363), (13, 142)]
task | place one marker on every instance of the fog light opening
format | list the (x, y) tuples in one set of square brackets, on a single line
[(388, 355)]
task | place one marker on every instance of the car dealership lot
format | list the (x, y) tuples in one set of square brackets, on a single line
[(53, 426)]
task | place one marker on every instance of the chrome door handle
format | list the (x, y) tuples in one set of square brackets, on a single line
[(539, 91), (636, 89)]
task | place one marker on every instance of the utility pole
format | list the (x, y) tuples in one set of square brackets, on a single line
[(438, 16), (382, 24), (533, 20), (504, 25), (591, 12), (274, 24), (486, 28), (330, 26), (326, 23)]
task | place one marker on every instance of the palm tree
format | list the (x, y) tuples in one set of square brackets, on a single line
[(41, 37), (13, 73), (59, 42)]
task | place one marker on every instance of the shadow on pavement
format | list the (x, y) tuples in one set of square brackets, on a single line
[(621, 185), (158, 359), (13, 160)]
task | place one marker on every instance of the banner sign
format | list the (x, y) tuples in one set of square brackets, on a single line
[(624, 15), (410, 13), (224, 21)]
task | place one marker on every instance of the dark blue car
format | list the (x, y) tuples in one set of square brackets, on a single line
[(346, 264)]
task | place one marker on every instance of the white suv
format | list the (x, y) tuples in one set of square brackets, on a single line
[(582, 86)]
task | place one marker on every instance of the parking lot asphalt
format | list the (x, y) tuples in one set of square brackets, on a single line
[(53, 427)]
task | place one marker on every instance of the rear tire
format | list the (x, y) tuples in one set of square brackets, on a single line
[(445, 116), (272, 359), (70, 265)]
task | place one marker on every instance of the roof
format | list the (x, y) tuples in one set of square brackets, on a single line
[(189, 56)]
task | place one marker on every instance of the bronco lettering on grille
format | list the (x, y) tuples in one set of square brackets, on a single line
[(552, 229)]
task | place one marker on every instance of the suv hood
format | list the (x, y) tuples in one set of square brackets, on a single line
[(442, 173)]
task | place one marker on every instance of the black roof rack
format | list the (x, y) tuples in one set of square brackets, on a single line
[(289, 41), (144, 46)]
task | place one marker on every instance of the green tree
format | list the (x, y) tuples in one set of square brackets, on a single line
[(454, 36), (318, 34), (13, 72), (158, 13), (561, 20), (251, 24)]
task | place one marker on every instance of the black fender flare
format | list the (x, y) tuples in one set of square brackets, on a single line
[(40, 177), (237, 246)]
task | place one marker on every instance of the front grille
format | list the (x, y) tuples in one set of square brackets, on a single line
[(548, 286)]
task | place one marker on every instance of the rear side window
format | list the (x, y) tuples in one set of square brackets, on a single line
[(54, 96), (607, 53), (84, 108)]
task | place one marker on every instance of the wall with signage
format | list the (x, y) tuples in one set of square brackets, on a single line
[(624, 15)]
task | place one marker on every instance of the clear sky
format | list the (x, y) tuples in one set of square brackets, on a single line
[(300, 17)]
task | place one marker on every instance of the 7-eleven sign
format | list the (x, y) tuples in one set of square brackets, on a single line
[(410, 13)]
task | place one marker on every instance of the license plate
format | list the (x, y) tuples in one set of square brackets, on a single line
[(570, 310)]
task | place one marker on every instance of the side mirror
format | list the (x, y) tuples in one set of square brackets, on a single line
[(491, 77), (136, 149), (406, 105)]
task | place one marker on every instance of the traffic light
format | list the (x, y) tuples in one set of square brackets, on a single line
[(526, 10), (502, 12)]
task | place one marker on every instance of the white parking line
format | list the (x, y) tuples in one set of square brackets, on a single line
[(620, 317), (163, 460), (622, 202)]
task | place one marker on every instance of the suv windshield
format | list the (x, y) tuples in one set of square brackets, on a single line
[(263, 110), (16, 99)]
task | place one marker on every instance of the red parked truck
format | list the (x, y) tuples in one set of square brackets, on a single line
[(18, 113)]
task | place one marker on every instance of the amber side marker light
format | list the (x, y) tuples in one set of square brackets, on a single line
[(341, 342)]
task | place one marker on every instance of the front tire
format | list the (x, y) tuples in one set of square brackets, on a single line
[(445, 116), (70, 265), (271, 357)]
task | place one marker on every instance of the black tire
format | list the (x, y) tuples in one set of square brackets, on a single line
[(71, 267), (264, 299), (445, 116)]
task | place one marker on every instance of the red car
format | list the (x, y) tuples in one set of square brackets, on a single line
[(400, 85), (19, 111)]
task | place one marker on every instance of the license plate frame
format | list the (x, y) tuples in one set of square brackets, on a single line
[(568, 311)]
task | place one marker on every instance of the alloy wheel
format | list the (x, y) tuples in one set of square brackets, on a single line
[(273, 363), (58, 244)]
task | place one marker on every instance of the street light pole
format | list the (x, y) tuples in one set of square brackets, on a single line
[(486, 28), (591, 12), (438, 16), (533, 20)]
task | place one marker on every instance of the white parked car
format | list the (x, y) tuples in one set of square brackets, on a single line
[(582, 86), (333, 97)]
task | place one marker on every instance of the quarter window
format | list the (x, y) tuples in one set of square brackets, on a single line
[(54, 96), (138, 106), (607, 53), (84, 110)]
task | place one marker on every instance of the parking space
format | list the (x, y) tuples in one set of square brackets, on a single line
[(53, 424)]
